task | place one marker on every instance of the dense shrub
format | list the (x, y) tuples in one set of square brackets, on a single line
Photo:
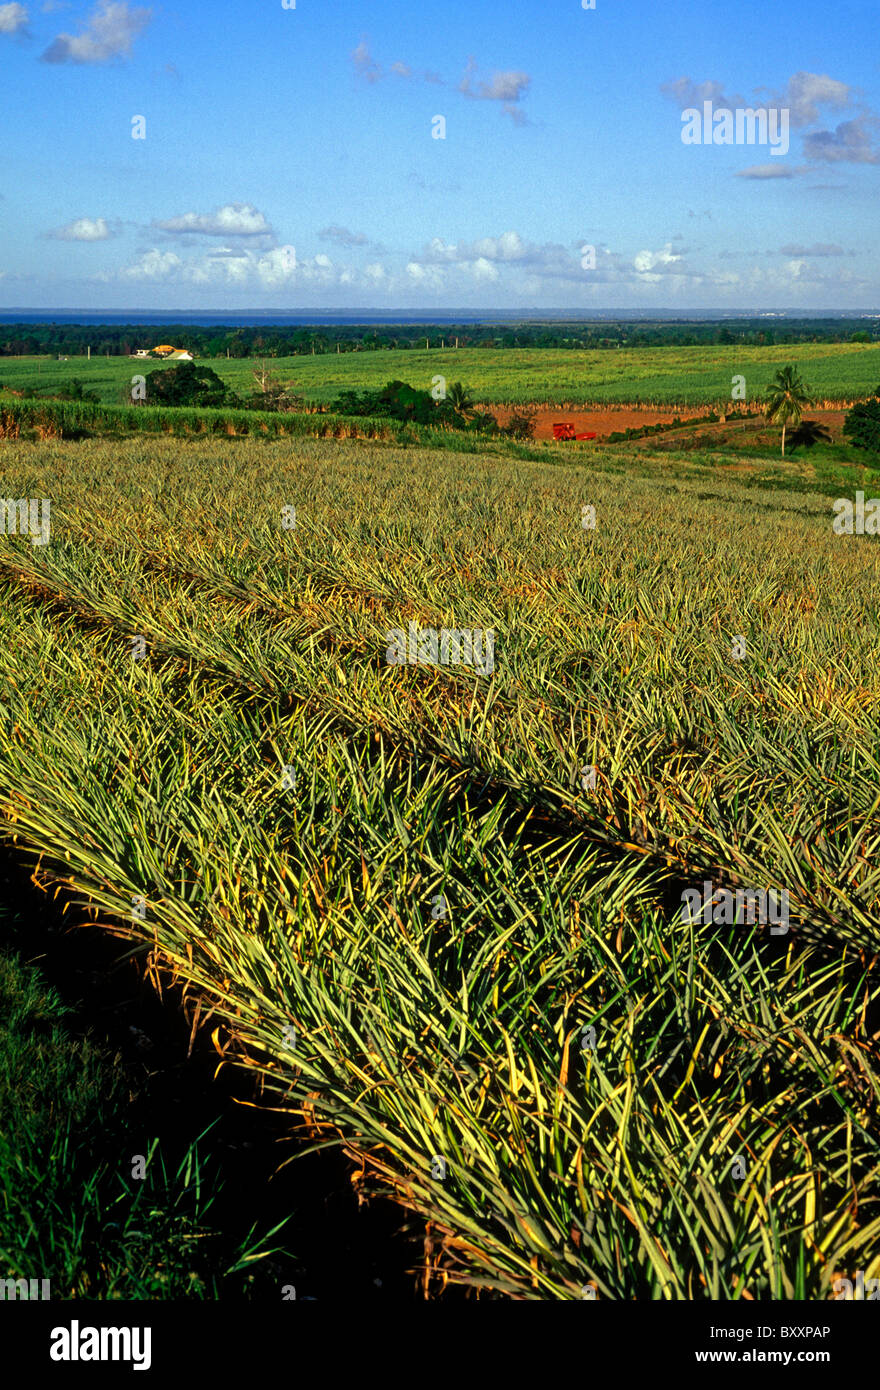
[(397, 400), (862, 425), (188, 384), (521, 424)]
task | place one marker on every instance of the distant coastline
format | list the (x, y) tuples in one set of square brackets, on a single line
[(259, 318)]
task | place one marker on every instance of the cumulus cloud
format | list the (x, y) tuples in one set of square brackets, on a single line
[(13, 19), (272, 269), (507, 264), (646, 263), (364, 63), (151, 265), (517, 266), (850, 143), (545, 258), (806, 92), (232, 220), (768, 171), (492, 259), (425, 276), (804, 96), (686, 93), (110, 32), (226, 266), (483, 269), (507, 247), (342, 236), (819, 248), (507, 87), (83, 229), (276, 267)]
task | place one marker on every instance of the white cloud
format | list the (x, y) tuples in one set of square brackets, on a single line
[(507, 87), (646, 263), (110, 32), (232, 220), (807, 91), (83, 229), (768, 171), (428, 275), (277, 267), (342, 236), (819, 248), (507, 247), (364, 63), (367, 67), (483, 269), (13, 19), (224, 265), (270, 270), (490, 258), (152, 265), (511, 268), (687, 93), (850, 143), (802, 96)]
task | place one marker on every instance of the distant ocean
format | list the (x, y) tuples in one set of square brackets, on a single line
[(255, 318)]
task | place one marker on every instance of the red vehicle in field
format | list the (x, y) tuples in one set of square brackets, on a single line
[(565, 430)]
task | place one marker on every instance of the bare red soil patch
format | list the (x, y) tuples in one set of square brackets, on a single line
[(604, 421), (612, 418)]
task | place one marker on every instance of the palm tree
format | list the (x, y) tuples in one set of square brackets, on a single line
[(459, 397), (786, 398)]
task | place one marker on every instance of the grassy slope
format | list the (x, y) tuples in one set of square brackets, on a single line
[(676, 376), (419, 1033)]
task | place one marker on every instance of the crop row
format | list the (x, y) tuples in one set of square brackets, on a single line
[(390, 883)]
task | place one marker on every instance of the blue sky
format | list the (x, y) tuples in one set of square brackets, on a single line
[(289, 158)]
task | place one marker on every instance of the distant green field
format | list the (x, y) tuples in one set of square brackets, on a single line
[(687, 376)]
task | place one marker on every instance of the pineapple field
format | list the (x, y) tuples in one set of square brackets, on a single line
[(434, 907)]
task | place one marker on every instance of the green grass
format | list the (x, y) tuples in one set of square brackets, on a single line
[(70, 1210), (693, 376), (419, 1035)]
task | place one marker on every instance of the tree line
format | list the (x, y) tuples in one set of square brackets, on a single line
[(34, 339)]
